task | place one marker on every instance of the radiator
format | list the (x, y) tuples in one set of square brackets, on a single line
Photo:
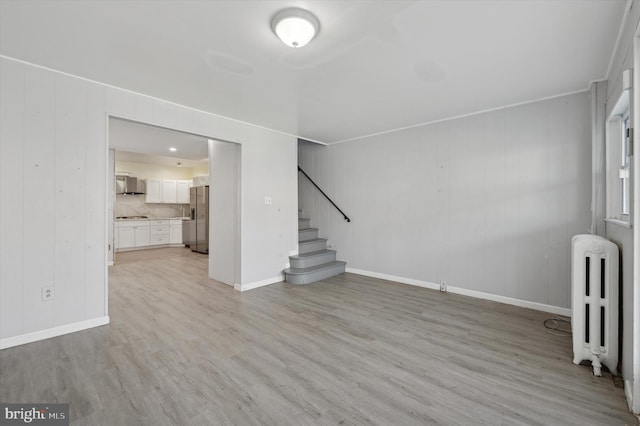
[(594, 284)]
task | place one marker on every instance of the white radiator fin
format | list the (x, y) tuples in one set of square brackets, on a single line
[(594, 284)]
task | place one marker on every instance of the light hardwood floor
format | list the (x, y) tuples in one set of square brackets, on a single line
[(184, 350)]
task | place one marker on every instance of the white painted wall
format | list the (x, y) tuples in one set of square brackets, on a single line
[(486, 203), (201, 170), (155, 171), (224, 240), (53, 225), (622, 236), (271, 160)]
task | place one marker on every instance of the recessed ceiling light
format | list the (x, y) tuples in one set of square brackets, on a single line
[(172, 149), (295, 27), (179, 164)]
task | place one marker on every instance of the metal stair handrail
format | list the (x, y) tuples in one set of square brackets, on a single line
[(326, 196)]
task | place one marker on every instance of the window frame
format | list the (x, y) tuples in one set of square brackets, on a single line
[(625, 167), (618, 162)]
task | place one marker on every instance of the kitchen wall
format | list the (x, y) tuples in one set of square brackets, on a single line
[(53, 187), (134, 205), (487, 203), (201, 170), (157, 171)]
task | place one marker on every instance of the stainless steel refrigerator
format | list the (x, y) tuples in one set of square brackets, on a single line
[(199, 224)]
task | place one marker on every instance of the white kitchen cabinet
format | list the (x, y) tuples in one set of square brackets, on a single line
[(154, 191), (159, 232), (182, 191), (141, 236), (167, 191), (126, 237), (169, 194), (132, 234), (175, 232)]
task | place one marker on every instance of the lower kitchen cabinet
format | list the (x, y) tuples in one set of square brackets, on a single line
[(126, 237), (175, 230), (139, 234), (133, 233), (159, 232)]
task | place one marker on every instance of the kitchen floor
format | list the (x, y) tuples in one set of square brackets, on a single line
[(182, 349)]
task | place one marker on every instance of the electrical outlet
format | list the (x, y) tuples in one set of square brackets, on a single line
[(267, 201), (48, 293), (443, 286)]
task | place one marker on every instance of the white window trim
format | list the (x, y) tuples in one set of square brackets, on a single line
[(613, 166)]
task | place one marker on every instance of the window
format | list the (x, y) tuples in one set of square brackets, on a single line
[(618, 161), (625, 161)]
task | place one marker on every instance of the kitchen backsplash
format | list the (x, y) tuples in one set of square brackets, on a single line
[(134, 205)]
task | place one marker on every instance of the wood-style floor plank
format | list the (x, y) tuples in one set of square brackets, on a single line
[(185, 350)]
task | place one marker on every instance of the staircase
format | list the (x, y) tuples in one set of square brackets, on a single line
[(314, 261)]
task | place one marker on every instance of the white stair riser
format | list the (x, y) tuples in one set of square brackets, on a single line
[(327, 257), (303, 223), (307, 234), (314, 276), (312, 246)]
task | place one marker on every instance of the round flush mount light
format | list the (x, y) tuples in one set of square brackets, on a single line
[(295, 27), (172, 149)]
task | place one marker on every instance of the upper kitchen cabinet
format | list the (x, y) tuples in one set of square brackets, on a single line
[(154, 191), (169, 194), (167, 191), (182, 191)]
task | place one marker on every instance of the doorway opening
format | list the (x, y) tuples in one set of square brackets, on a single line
[(164, 167)]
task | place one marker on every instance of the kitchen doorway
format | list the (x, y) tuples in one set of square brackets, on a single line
[(159, 164)]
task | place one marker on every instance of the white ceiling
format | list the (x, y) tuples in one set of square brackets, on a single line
[(154, 142), (375, 66)]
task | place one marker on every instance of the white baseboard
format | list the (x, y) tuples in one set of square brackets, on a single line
[(35, 336), (465, 292), (628, 392), (257, 284)]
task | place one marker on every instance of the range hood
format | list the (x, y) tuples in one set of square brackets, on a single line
[(129, 185)]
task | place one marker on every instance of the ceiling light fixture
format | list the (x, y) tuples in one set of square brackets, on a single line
[(172, 149), (295, 27)]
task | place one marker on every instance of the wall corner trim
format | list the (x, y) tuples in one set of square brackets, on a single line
[(48, 333), (465, 292), (628, 393), (257, 284)]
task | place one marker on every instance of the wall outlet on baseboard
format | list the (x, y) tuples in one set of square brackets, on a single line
[(443, 286), (48, 293)]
